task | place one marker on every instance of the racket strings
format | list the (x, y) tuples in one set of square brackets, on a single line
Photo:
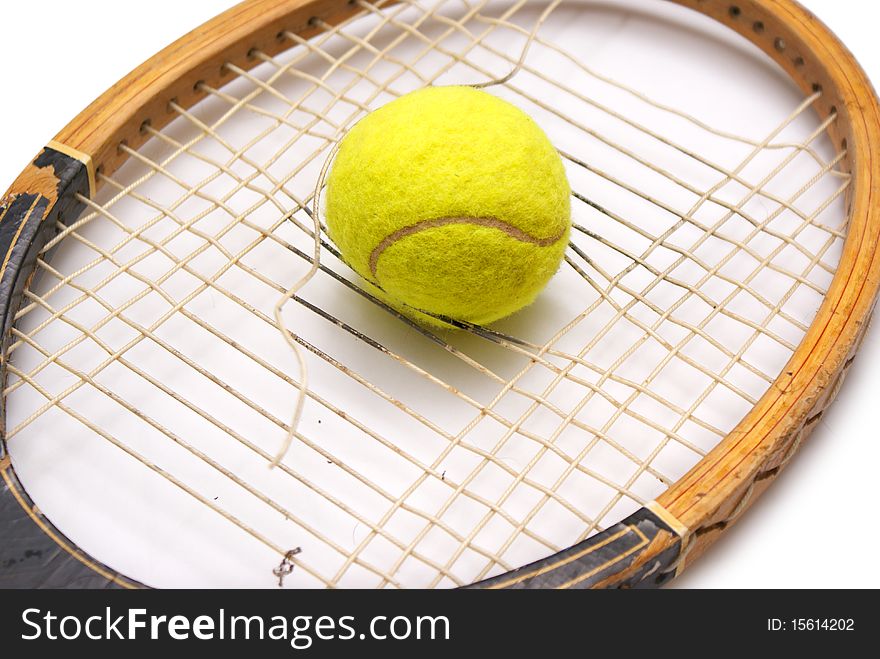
[(571, 367), (672, 352)]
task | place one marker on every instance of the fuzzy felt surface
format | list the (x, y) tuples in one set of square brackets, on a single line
[(452, 201)]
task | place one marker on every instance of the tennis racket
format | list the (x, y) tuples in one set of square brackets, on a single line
[(720, 276)]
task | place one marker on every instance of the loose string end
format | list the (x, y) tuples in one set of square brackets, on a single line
[(288, 295)]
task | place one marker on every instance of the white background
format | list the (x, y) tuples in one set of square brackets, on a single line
[(814, 527)]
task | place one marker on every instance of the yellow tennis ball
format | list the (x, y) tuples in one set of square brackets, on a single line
[(452, 202)]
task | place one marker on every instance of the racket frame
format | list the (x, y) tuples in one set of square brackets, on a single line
[(646, 549)]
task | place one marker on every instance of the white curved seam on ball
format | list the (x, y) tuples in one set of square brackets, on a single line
[(486, 222)]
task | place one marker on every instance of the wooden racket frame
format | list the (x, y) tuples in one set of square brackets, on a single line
[(660, 540)]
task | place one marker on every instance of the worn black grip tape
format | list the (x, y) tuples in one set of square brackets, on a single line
[(33, 553), (594, 560)]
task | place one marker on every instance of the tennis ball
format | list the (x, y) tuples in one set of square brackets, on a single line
[(452, 202)]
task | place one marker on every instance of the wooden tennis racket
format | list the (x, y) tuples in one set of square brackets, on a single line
[(721, 273)]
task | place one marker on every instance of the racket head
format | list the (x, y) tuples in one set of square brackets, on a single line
[(656, 541)]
